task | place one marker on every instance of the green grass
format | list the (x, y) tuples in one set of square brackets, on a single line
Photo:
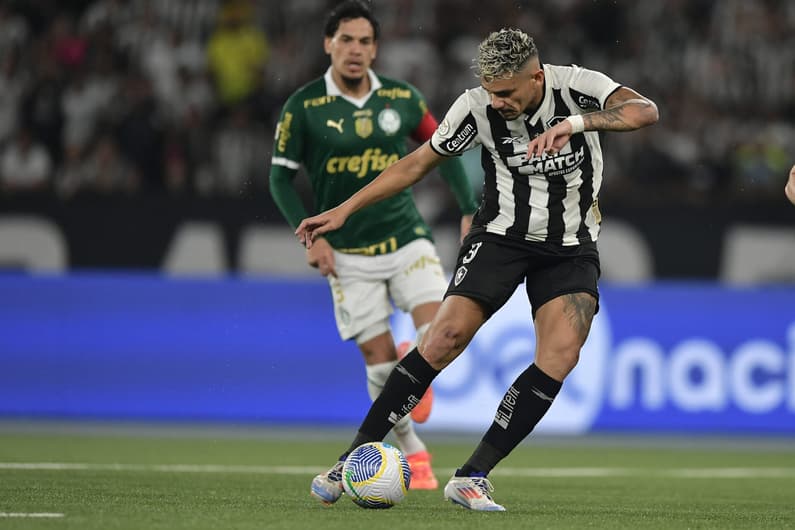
[(124, 485)]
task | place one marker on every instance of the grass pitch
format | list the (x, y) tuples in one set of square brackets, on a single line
[(144, 478)]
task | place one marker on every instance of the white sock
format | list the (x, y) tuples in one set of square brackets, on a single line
[(407, 438), (420, 333)]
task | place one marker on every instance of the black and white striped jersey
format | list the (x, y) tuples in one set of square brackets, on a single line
[(553, 198)]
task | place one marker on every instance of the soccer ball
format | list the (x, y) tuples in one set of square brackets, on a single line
[(376, 475)]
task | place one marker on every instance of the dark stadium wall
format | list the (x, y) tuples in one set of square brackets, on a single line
[(99, 232)]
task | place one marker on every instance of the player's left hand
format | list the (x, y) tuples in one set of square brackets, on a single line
[(550, 142), (321, 257)]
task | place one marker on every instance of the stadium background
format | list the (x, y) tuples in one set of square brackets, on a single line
[(148, 276)]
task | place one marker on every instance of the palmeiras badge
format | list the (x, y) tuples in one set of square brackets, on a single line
[(389, 121)]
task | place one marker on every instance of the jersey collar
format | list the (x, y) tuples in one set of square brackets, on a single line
[(333, 90), (546, 101)]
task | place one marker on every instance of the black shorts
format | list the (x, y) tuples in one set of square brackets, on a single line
[(490, 267)]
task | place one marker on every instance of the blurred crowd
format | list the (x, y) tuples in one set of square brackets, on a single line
[(182, 96)]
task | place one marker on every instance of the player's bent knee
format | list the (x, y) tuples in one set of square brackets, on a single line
[(443, 344)]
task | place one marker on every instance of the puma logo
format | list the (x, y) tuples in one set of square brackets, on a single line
[(335, 124)]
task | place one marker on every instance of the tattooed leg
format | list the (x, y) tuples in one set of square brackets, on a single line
[(562, 325)]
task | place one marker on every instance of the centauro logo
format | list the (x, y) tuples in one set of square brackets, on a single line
[(283, 131), (360, 165)]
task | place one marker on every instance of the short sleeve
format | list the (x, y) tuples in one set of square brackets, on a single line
[(590, 89), (458, 131)]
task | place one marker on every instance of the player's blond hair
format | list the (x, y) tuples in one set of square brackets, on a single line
[(503, 53)]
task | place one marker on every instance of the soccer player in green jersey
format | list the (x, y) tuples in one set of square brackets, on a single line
[(345, 128)]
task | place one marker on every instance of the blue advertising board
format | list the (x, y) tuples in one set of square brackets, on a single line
[(660, 358)]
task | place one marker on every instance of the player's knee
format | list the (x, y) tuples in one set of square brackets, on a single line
[(569, 358), (557, 363), (443, 343)]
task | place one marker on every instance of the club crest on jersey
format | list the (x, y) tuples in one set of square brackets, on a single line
[(389, 121), (363, 127), (554, 120), (363, 124), (459, 275)]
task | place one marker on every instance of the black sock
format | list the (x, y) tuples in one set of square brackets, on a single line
[(403, 389), (521, 408)]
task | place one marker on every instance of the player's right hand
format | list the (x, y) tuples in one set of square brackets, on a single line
[(313, 227), (321, 257)]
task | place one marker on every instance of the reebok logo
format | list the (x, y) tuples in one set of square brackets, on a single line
[(400, 368), (540, 394)]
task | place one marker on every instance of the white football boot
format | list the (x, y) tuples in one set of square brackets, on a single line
[(327, 487), (473, 493)]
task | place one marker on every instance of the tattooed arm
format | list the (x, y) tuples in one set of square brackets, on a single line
[(625, 110)]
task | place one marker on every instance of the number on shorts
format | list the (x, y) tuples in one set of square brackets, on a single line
[(472, 253)]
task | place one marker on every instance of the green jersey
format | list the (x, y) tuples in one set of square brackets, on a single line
[(344, 144)]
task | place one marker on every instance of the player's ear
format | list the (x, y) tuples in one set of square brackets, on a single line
[(327, 45)]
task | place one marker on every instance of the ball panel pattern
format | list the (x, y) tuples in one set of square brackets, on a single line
[(376, 475)]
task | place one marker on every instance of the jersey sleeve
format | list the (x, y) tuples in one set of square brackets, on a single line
[(288, 145), (288, 153), (285, 195), (426, 124), (458, 131), (590, 89)]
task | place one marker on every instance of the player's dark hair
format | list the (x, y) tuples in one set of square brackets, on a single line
[(347, 10)]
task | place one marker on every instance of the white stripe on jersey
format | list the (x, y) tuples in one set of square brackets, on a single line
[(286, 162), (548, 199)]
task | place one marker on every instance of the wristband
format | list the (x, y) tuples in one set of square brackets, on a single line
[(577, 123)]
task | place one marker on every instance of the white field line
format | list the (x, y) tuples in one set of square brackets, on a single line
[(32, 515), (547, 472)]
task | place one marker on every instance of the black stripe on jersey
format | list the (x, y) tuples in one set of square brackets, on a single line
[(557, 183), (586, 188), (462, 137), (490, 207), (521, 186)]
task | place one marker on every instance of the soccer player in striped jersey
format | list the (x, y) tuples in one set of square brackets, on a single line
[(538, 128), (345, 128)]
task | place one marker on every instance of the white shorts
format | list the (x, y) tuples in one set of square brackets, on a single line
[(411, 276)]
